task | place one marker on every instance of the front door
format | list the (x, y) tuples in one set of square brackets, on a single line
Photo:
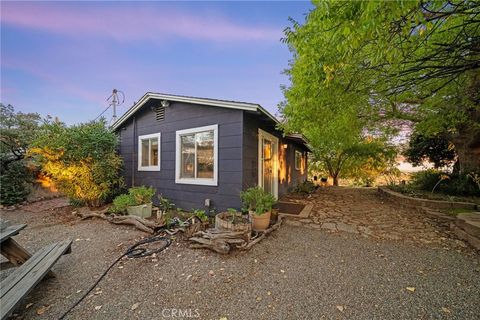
[(268, 162)]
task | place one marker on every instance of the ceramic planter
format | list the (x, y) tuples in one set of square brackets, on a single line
[(223, 221), (143, 210)]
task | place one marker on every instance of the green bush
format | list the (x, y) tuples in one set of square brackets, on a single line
[(201, 214), (142, 195), (305, 187), (165, 204), (257, 200), (426, 180), (461, 185), (121, 202), (82, 160), (15, 182), (450, 184), (136, 196)]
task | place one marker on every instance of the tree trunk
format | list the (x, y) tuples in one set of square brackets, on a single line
[(467, 140), (335, 180), (467, 147)]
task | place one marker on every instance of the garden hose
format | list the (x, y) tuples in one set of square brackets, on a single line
[(132, 252)]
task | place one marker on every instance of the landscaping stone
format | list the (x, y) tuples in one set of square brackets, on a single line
[(467, 227), (346, 228), (293, 222), (404, 200), (329, 226), (364, 211)]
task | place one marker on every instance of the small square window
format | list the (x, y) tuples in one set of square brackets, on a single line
[(298, 160), (149, 152)]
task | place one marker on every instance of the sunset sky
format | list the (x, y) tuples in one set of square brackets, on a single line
[(64, 58)]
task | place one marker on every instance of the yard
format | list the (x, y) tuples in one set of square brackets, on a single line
[(397, 264)]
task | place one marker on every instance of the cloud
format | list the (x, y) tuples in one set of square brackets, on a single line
[(132, 23)]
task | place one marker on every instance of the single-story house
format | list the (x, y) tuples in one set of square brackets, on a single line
[(201, 152)]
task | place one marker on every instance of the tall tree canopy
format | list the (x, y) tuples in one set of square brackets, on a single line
[(364, 68), (17, 131)]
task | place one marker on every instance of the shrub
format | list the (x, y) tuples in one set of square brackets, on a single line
[(136, 196), (451, 184), (121, 202), (81, 160), (15, 182), (426, 180), (461, 185), (257, 200), (165, 204), (200, 214), (142, 195), (305, 187), (17, 130)]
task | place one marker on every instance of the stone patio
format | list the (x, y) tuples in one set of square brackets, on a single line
[(365, 212)]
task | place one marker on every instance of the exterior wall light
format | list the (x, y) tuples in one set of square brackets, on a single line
[(165, 103)]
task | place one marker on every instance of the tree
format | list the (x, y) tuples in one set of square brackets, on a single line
[(17, 130), (384, 63), (81, 160), (435, 149)]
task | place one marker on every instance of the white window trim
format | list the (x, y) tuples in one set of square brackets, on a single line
[(263, 134), (301, 160), (149, 136), (197, 181)]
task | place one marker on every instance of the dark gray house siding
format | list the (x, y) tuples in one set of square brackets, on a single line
[(288, 176), (291, 177), (238, 127), (185, 116)]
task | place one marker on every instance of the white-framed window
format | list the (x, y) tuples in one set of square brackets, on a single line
[(149, 152), (196, 156), (298, 160)]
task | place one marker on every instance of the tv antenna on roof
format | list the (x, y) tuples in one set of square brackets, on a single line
[(115, 101)]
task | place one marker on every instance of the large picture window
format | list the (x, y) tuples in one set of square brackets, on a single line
[(149, 152), (196, 156)]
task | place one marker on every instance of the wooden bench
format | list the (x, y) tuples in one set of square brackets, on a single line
[(9, 248), (31, 269)]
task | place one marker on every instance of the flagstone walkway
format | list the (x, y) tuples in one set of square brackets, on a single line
[(363, 211)]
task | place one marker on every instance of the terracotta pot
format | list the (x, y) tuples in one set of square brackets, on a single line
[(260, 222)]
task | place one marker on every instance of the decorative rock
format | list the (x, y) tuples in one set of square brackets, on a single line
[(306, 221), (329, 226), (346, 228), (293, 223), (365, 230)]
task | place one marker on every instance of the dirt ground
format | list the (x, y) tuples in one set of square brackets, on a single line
[(303, 271)]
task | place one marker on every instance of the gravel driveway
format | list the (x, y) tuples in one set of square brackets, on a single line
[(296, 273)]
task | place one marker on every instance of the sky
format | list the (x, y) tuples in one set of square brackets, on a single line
[(64, 58)]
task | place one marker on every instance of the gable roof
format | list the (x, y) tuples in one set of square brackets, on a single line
[(203, 101), (247, 106)]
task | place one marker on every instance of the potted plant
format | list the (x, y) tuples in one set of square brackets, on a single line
[(232, 220), (137, 202), (259, 204)]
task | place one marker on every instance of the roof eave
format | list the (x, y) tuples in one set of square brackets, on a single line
[(216, 103)]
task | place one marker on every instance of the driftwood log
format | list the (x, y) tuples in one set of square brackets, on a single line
[(139, 223), (223, 241)]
